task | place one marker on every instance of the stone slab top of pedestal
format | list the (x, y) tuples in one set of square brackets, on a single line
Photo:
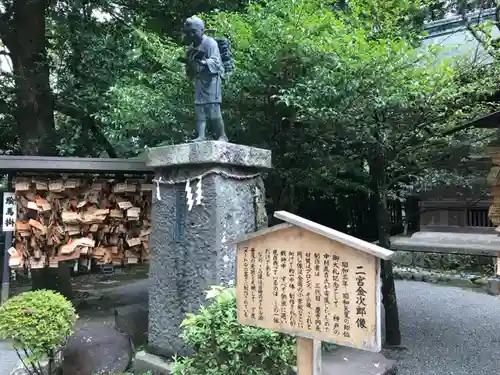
[(209, 152)]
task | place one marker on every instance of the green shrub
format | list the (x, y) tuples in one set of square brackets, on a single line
[(38, 324), (222, 346)]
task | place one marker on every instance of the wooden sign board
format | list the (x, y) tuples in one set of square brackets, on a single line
[(308, 280), (9, 215), (493, 176)]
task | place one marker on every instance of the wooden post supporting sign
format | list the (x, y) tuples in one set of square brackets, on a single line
[(313, 282), (493, 179), (308, 356)]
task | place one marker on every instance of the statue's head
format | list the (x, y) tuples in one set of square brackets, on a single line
[(194, 28)]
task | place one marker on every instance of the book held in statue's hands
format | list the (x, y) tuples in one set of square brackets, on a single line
[(196, 54)]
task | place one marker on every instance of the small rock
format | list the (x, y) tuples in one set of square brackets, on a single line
[(403, 258), (481, 281), (406, 275), (149, 363), (444, 278), (432, 278), (419, 259), (450, 261), (425, 275), (132, 320), (432, 260), (418, 277), (97, 348)]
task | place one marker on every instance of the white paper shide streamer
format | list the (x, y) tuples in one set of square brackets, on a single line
[(158, 189), (189, 195), (190, 198), (199, 195)]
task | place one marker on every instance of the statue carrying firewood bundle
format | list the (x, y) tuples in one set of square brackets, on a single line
[(208, 60)]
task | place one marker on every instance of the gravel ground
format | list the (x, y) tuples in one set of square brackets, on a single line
[(448, 331)]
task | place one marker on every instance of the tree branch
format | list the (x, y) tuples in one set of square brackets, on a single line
[(497, 14), (457, 129), (91, 124), (487, 46)]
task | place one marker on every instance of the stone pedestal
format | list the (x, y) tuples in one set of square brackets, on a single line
[(189, 245), (493, 286)]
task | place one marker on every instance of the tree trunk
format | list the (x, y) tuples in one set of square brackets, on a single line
[(27, 44), (379, 202), (58, 279), (88, 125), (23, 33)]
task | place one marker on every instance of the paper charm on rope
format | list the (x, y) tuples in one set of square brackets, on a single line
[(189, 196), (158, 189), (199, 197)]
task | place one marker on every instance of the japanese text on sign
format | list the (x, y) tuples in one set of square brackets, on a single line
[(325, 291), (9, 212)]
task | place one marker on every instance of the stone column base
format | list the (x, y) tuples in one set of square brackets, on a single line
[(493, 286), (207, 195)]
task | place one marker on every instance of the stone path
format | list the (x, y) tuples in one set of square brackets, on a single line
[(447, 330), (8, 358)]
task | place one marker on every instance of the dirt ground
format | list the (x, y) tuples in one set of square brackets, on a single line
[(85, 283)]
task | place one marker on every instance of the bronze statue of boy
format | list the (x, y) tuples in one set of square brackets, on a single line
[(204, 65)]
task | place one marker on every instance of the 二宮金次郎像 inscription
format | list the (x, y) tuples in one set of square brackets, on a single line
[(296, 281)]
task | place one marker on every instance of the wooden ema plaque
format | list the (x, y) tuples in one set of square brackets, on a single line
[(308, 280)]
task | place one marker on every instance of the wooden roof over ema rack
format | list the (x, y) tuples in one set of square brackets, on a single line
[(9, 163), (308, 280)]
